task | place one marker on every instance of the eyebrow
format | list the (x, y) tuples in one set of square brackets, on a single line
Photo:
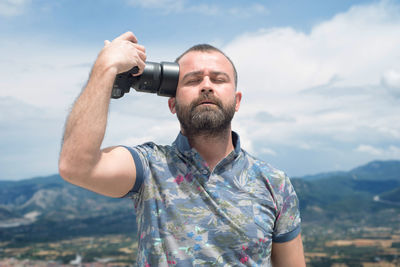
[(199, 72)]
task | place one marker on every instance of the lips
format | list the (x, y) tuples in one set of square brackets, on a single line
[(207, 102)]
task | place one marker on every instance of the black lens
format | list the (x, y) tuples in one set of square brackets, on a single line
[(149, 81), (170, 78), (156, 78)]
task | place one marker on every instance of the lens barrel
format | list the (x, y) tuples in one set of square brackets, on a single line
[(161, 78), (170, 78)]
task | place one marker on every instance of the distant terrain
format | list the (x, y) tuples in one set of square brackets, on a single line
[(48, 208), (344, 215), (364, 195)]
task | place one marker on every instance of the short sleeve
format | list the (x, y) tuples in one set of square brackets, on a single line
[(140, 160), (287, 224)]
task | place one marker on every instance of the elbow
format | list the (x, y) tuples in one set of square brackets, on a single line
[(69, 170), (74, 171), (65, 170)]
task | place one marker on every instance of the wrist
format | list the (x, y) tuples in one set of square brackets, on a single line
[(101, 78), (104, 69)]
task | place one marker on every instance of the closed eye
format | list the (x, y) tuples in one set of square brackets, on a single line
[(219, 80), (193, 81)]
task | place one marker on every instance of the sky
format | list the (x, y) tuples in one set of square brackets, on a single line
[(320, 79)]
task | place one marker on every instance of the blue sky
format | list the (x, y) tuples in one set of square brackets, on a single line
[(320, 79)]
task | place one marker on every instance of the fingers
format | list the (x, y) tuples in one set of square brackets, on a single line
[(128, 36), (140, 47), (141, 53), (140, 64), (126, 53), (143, 56)]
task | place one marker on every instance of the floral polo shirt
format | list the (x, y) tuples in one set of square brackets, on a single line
[(189, 215)]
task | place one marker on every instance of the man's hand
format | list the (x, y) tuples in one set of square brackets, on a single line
[(122, 54)]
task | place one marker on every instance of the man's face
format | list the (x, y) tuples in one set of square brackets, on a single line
[(206, 99)]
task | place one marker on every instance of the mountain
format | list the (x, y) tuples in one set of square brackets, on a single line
[(52, 197), (367, 194), (48, 208), (378, 170), (391, 196), (375, 170)]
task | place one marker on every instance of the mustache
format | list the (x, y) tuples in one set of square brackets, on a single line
[(206, 98)]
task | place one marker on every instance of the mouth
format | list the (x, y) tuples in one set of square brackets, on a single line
[(208, 102)]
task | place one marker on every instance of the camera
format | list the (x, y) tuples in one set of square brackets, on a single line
[(160, 78)]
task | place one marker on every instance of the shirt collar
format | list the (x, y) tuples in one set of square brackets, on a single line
[(182, 143)]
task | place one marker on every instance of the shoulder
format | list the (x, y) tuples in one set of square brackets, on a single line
[(274, 180), (274, 175), (146, 156), (150, 148)]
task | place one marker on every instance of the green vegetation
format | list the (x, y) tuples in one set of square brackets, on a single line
[(348, 218)]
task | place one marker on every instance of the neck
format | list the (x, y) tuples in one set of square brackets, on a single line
[(213, 148)]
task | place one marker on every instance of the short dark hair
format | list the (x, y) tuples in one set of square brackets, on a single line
[(209, 48)]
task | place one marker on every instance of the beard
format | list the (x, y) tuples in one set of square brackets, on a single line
[(205, 120)]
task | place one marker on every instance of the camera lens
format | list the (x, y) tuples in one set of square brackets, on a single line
[(170, 78), (161, 78), (158, 78)]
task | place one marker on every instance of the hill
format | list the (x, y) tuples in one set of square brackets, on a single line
[(378, 170), (361, 195), (48, 208), (374, 170), (47, 211)]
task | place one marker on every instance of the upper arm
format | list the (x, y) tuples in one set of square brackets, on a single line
[(287, 246), (113, 175), (288, 254)]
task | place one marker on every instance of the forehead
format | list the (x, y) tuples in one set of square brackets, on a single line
[(205, 61)]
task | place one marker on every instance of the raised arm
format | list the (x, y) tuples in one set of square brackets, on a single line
[(110, 171)]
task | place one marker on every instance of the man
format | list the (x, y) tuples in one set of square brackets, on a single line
[(203, 201)]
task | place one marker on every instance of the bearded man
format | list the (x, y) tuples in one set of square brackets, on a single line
[(202, 201)]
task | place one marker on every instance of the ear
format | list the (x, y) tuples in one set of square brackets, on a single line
[(238, 98), (171, 105)]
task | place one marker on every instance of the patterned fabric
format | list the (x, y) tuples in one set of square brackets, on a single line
[(188, 215)]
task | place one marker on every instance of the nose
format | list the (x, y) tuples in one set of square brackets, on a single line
[(207, 90), (206, 86)]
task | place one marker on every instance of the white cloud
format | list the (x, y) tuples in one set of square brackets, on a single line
[(394, 151), (389, 152), (323, 90), (310, 99), (30, 139), (10, 8), (42, 74), (167, 5), (391, 80), (247, 11), (370, 150), (268, 151), (40, 82), (184, 6), (352, 47), (149, 120)]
